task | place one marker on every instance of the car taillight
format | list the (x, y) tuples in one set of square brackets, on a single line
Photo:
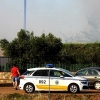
[(21, 77)]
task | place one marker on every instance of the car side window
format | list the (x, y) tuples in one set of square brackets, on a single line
[(92, 72), (95, 72), (41, 73), (28, 73), (56, 73), (65, 74)]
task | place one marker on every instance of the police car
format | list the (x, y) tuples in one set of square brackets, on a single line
[(51, 79)]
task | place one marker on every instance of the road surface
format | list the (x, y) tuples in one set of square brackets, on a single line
[(8, 89)]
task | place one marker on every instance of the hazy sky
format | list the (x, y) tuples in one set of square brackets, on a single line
[(71, 20)]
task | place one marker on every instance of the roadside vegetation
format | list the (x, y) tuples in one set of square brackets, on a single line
[(28, 50), (40, 96)]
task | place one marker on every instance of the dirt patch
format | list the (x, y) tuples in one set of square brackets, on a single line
[(8, 89)]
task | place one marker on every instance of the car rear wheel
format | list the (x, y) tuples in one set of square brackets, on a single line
[(97, 85), (73, 88), (29, 88)]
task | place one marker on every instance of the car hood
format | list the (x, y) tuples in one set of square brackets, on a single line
[(79, 78)]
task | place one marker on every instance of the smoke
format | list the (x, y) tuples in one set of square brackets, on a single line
[(93, 34)]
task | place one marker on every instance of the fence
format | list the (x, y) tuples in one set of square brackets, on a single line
[(5, 67), (4, 64)]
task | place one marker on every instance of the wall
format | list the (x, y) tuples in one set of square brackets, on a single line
[(5, 77)]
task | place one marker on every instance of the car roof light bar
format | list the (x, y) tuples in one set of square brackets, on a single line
[(49, 65)]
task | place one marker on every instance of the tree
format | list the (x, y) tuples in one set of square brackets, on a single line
[(4, 44), (27, 48)]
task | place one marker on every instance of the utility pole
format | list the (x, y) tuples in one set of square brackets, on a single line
[(25, 15)]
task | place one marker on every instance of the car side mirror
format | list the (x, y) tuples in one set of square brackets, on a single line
[(61, 76)]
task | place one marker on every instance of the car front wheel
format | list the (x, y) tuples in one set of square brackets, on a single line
[(29, 88), (97, 85), (73, 88)]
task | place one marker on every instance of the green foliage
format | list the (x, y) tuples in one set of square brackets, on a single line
[(27, 48), (82, 53), (30, 49), (17, 96), (4, 44)]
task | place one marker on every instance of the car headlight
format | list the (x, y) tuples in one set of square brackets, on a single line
[(84, 82)]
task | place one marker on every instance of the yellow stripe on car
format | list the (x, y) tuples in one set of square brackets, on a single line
[(52, 87)]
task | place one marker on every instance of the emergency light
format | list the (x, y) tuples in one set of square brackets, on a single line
[(49, 65)]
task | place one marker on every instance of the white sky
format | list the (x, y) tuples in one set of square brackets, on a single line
[(68, 19)]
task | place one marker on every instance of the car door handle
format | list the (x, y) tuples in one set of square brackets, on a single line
[(95, 77)]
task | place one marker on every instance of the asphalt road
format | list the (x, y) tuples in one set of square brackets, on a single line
[(8, 89)]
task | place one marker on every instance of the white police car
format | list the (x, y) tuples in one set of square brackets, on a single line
[(51, 79)]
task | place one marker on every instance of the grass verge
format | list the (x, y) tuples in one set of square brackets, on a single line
[(39, 96)]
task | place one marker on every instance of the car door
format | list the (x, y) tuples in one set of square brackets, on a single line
[(41, 79), (57, 81), (92, 76)]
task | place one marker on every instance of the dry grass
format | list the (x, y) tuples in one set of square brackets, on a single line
[(39, 96)]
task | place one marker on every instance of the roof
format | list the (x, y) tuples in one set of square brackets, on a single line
[(89, 68), (37, 68)]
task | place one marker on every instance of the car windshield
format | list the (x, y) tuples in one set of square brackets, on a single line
[(28, 72), (68, 72)]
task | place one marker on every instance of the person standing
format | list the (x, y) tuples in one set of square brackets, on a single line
[(15, 76)]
